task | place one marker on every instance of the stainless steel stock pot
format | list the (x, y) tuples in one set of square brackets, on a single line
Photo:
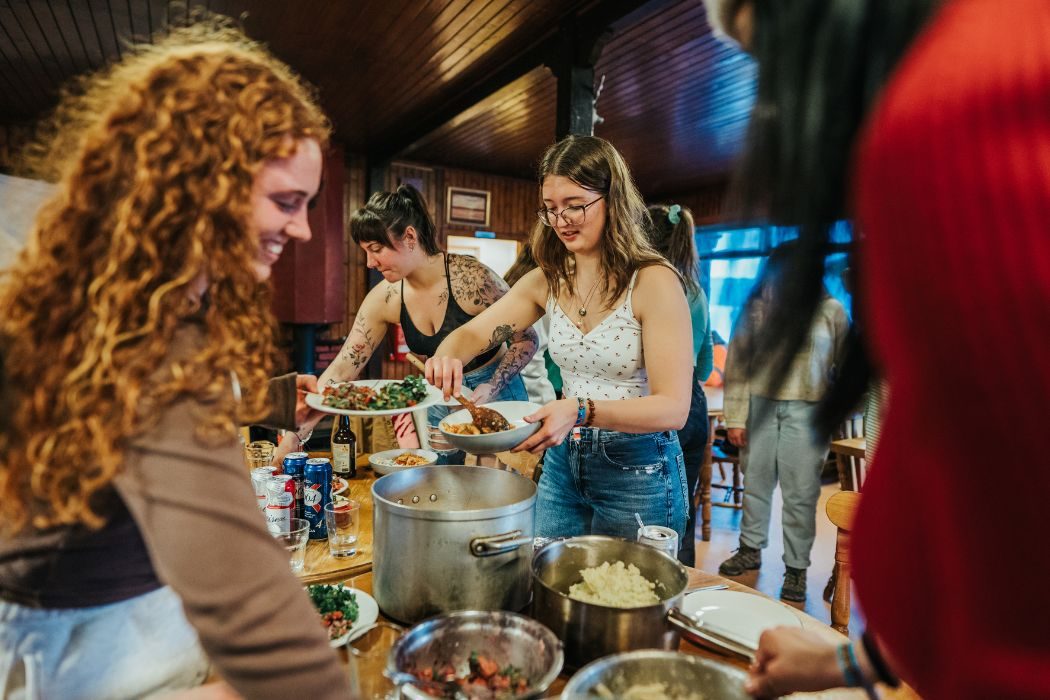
[(452, 538)]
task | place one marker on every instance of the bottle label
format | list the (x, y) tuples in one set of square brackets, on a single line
[(341, 458)]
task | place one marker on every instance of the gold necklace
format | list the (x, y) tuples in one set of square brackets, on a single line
[(583, 307)]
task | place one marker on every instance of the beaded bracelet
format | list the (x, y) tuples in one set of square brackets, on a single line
[(590, 413), (581, 412)]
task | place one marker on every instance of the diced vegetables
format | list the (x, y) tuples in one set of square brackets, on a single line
[(338, 608), (355, 397)]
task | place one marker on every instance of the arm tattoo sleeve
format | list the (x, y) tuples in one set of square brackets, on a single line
[(523, 346), (358, 347), (473, 284)]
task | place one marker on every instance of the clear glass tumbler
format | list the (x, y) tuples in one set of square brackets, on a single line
[(343, 518), (295, 542)]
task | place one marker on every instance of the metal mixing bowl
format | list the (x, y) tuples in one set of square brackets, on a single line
[(681, 673), (507, 638)]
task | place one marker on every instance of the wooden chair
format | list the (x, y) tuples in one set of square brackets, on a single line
[(848, 449), (841, 509)]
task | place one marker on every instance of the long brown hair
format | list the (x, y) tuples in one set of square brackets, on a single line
[(672, 236), (155, 158), (593, 164)]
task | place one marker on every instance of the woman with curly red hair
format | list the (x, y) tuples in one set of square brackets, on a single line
[(136, 335)]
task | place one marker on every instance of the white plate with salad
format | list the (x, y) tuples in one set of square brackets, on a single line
[(376, 397), (345, 612)]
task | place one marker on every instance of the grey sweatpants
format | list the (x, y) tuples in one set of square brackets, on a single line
[(783, 445)]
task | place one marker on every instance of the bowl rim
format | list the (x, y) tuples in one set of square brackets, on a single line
[(613, 659), (421, 451), (560, 544), (495, 405), (547, 636)]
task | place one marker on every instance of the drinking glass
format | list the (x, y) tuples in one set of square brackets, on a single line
[(295, 542), (437, 442), (367, 655), (343, 518), (258, 453)]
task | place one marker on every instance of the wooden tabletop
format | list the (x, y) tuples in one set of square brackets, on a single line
[(850, 447), (699, 578), (321, 566)]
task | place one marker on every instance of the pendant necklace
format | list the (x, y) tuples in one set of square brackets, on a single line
[(583, 307)]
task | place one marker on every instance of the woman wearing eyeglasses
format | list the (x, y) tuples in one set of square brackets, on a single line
[(619, 332)]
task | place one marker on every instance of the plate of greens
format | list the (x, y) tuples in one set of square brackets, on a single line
[(345, 612), (376, 397)]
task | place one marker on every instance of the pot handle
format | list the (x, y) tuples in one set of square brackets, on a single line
[(498, 544), (687, 624)]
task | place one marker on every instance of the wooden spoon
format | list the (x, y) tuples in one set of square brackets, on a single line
[(486, 419)]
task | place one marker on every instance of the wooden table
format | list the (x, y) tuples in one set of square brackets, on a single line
[(715, 399), (321, 566), (699, 578), (850, 447)]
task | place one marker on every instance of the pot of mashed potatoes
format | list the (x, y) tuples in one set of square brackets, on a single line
[(603, 595)]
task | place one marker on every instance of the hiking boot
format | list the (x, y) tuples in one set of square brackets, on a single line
[(745, 559), (794, 585)]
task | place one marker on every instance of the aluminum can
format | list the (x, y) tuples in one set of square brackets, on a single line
[(317, 493), (280, 501), (260, 475), (663, 538), (294, 463)]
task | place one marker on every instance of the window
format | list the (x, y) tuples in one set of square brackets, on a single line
[(731, 259)]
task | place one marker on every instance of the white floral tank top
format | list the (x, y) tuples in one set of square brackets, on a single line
[(607, 362)]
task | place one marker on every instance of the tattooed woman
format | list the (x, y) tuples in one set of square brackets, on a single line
[(620, 333), (430, 293)]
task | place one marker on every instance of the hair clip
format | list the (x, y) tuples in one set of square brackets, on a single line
[(674, 214)]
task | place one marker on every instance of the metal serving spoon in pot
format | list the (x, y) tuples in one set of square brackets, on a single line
[(487, 419)]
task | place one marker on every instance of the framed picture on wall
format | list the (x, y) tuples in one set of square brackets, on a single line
[(467, 207)]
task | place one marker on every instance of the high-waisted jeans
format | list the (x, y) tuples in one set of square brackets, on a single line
[(595, 484)]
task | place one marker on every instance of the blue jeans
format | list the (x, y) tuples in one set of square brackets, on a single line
[(132, 649), (513, 391), (693, 437), (595, 485)]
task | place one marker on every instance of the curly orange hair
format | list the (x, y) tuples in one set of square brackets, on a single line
[(155, 159)]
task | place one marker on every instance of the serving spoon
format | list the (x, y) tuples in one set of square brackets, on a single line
[(488, 420)]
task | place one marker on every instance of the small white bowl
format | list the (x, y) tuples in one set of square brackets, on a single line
[(513, 411), (381, 461)]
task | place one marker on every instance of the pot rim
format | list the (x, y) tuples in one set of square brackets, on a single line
[(661, 605), (493, 513)]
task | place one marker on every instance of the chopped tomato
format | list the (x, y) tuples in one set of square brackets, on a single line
[(487, 667)]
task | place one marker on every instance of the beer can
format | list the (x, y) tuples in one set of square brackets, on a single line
[(317, 493), (294, 463), (259, 477), (663, 538), (280, 501)]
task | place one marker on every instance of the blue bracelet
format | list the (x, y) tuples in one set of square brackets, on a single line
[(851, 672), (581, 412), (869, 687)]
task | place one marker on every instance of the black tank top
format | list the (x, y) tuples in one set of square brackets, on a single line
[(455, 317)]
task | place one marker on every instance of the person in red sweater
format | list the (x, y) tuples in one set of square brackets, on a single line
[(931, 118)]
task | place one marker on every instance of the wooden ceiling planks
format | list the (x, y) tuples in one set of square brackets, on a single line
[(676, 101), (516, 122)]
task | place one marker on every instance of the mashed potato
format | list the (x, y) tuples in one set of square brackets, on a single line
[(616, 585)]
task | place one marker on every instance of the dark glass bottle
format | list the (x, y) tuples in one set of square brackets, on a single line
[(344, 450)]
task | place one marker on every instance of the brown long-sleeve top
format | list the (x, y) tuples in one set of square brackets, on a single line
[(184, 514)]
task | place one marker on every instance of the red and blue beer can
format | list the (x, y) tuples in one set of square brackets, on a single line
[(317, 493), (294, 465)]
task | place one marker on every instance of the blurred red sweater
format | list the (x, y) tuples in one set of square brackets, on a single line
[(951, 557)]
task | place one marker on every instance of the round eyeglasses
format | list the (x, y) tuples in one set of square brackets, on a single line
[(572, 216)]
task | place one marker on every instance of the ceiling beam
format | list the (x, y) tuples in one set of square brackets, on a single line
[(593, 23)]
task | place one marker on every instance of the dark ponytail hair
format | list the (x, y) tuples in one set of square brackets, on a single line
[(385, 217), (675, 242), (821, 66)]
